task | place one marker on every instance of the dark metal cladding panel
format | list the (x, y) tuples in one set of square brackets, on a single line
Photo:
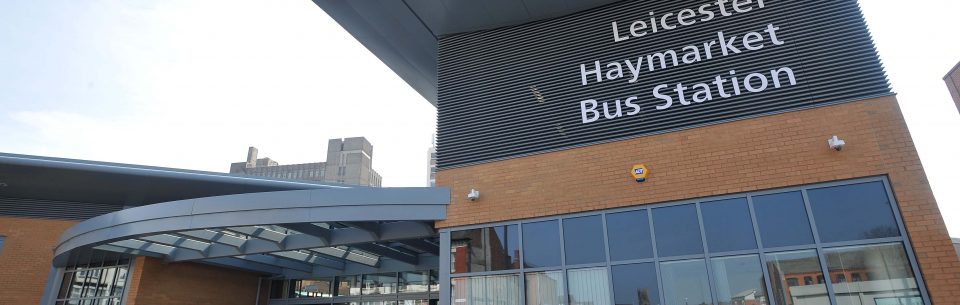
[(517, 91), (53, 209)]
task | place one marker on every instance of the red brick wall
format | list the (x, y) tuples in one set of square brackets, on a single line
[(26, 257), (155, 282), (762, 153)]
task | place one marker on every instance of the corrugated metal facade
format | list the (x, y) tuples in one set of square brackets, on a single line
[(516, 91), (53, 209)]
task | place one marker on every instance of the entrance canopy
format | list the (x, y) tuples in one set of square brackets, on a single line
[(294, 233)]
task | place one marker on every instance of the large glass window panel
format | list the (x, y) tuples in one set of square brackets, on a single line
[(727, 225), (583, 240), (782, 220), (486, 290), (678, 230), (590, 286), (635, 284), (348, 285), (321, 288), (541, 244), (545, 288), (685, 283), (379, 283), (629, 235), (467, 251), (504, 247), (414, 281), (787, 270), (873, 274), (853, 212), (739, 280)]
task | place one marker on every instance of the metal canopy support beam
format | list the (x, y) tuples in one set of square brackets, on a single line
[(388, 252), (309, 229), (312, 258), (214, 237), (347, 255), (421, 245), (339, 237), (369, 226)]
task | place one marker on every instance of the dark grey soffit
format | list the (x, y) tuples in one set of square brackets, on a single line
[(404, 34), (69, 180), (288, 232)]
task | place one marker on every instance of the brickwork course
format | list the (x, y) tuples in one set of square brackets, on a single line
[(26, 257), (154, 281), (768, 152)]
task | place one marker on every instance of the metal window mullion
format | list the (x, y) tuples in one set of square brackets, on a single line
[(606, 248), (706, 255), (907, 245), (522, 281), (761, 253), (824, 268), (656, 255), (563, 264)]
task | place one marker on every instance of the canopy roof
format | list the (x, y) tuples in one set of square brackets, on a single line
[(294, 233), (404, 34)]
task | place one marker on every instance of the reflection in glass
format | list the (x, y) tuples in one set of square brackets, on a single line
[(853, 212), (739, 280), (486, 290), (629, 235), (414, 281), (727, 225), (589, 286), (504, 248), (786, 271), (379, 283), (467, 251), (544, 288), (685, 283), (322, 288), (874, 274), (635, 284), (583, 240), (782, 220), (678, 230), (541, 244), (348, 285)]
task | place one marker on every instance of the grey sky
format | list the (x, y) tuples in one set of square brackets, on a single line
[(192, 83)]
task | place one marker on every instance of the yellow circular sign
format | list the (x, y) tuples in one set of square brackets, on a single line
[(640, 172)]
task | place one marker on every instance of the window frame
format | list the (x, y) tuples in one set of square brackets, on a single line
[(817, 245)]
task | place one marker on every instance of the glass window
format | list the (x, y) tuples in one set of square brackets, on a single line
[(727, 225), (101, 284), (782, 220), (545, 288), (678, 230), (629, 235), (486, 290), (322, 288), (379, 283), (467, 251), (635, 284), (415, 281), (685, 282), (738, 280), (590, 286), (583, 240), (348, 285), (853, 212), (541, 244), (783, 270), (876, 270), (504, 248), (276, 289)]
